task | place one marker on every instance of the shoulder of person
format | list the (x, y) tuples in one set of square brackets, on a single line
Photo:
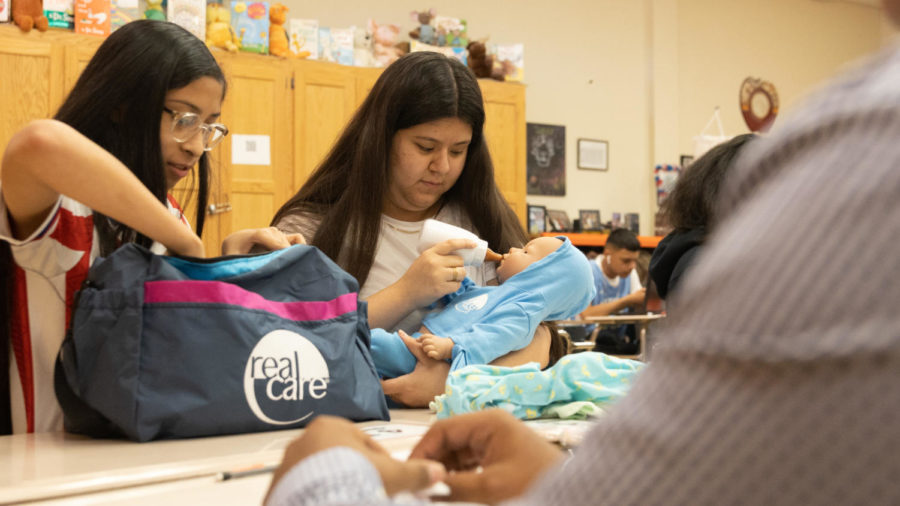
[(454, 214), (302, 223)]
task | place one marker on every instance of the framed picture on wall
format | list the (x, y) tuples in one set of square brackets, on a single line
[(593, 154), (559, 220), (686, 160), (545, 159), (537, 219), (590, 219)]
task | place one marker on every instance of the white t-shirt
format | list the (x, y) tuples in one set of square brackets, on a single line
[(635, 279), (396, 251)]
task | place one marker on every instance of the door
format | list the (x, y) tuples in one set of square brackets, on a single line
[(324, 101), (252, 166), (504, 107)]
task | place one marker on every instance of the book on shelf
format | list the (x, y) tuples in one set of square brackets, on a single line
[(510, 58), (303, 35), (250, 21), (633, 222), (342, 45), (59, 13), (456, 52), (123, 12), (92, 17), (326, 45)]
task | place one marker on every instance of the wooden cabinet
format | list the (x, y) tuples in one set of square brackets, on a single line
[(324, 100), (504, 130), (36, 71), (258, 103), (31, 82), (300, 106), (76, 57)]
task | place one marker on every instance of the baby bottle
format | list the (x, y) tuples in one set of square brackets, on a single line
[(435, 231)]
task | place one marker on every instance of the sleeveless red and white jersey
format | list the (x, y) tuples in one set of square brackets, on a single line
[(49, 267)]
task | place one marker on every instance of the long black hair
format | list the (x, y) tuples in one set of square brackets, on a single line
[(118, 102), (346, 191)]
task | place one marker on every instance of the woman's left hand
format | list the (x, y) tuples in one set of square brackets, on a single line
[(269, 239)]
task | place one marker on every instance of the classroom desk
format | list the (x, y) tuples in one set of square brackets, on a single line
[(641, 322), (59, 468)]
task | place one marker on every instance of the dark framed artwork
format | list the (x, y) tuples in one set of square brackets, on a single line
[(559, 220), (593, 154), (537, 219), (590, 219), (686, 160), (546, 161)]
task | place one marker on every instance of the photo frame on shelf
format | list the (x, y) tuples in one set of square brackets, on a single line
[(593, 154), (616, 221), (558, 220), (590, 219), (537, 219), (633, 222)]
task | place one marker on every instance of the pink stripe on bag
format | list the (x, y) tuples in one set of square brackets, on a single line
[(217, 292)]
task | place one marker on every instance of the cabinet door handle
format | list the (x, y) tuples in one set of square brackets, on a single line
[(219, 208)]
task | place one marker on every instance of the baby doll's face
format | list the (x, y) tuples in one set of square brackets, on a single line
[(518, 259)]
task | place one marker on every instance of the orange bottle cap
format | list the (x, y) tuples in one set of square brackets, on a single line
[(490, 256)]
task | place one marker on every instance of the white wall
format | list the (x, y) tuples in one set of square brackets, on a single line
[(644, 75), (792, 43)]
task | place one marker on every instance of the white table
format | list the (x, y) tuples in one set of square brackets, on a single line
[(59, 468)]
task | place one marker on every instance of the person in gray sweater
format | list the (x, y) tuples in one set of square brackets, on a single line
[(766, 388)]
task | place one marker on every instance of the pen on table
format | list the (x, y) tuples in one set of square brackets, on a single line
[(245, 472)]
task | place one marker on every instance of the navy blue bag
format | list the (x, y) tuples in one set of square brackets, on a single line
[(167, 347)]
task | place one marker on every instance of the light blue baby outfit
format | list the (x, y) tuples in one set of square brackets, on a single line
[(527, 392), (487, 322)]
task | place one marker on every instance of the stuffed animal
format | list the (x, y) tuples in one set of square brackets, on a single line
[(384, 38), (458, 36), (218, 28), (154, 10), (29, 13), (278, 39), (363, 48), (425, 32), (481, 63)]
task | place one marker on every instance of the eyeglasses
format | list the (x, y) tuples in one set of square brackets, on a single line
[(185, 126)]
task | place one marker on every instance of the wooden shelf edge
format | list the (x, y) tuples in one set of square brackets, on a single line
[(599, 240)]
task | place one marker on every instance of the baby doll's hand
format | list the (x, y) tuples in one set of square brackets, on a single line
[(438, 348)]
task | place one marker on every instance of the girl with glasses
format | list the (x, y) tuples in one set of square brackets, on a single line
[(141, 117)]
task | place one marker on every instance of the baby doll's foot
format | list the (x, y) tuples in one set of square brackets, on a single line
[(438, 348)]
